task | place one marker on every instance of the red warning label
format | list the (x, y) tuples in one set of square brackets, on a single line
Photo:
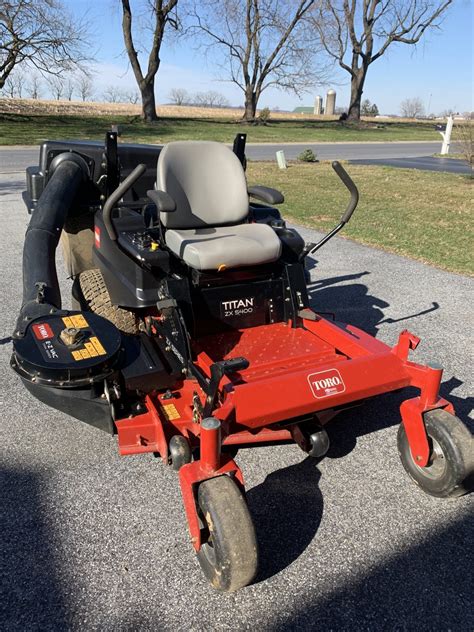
[(97, 236), (326, 383), (42, 331)]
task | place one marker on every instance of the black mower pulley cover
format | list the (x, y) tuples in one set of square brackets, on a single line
[(67, 349)]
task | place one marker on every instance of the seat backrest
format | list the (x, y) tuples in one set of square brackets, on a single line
[(207, 182)]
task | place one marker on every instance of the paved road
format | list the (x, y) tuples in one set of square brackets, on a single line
[(97, 542), (345, 151), (13, 159), (426, 163)]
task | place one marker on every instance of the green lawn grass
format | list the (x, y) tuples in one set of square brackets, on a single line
[(18, 129), (425, 215)]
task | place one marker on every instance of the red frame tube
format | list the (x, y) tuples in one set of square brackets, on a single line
[(210, 444)]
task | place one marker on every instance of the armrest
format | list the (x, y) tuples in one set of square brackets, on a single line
[(162, 200), (266, 194)]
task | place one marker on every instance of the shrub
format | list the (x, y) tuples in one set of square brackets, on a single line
[(463, 134), (307, 156), (264, 116)]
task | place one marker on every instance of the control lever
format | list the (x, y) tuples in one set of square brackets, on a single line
[(351, 207), (117, 195), (218, 370)]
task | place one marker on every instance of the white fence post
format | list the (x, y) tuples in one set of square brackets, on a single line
[(281, 160)]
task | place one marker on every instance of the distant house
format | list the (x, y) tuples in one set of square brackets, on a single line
[(302, 109)]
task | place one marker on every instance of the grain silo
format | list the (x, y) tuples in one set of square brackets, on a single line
[(318, 105), (330, 108)]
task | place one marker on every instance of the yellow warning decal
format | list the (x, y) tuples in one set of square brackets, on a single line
[(97, 346), (78, 321), (91, 349), (171, 412)]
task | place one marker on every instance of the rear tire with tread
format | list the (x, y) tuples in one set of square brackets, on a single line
[(92, 295)]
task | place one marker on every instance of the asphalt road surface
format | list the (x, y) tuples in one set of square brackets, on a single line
[(426, 163), (93, 541), (344, 151), (14, 159)]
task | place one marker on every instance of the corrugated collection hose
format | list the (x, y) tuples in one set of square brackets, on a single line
[(40, 281)]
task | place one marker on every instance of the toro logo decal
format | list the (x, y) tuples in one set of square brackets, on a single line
[(43, 331), (326, 383)]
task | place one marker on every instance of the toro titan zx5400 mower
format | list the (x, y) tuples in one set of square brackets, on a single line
[(191, 333)]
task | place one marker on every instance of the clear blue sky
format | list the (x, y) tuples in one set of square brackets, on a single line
[(439, 70)]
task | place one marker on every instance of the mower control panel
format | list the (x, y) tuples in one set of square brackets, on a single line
[(143, 245)]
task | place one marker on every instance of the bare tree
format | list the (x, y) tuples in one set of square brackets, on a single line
[(42, 34), (56, 86), (85, 87), (448, 112), (69, 88), (210, 99), (356, 33), (9, 87), (163, 12), (113, 94), (33, 87), (412, 108), (14, 85), (261, 42), (216, 99), (179, 96), (132, 96)]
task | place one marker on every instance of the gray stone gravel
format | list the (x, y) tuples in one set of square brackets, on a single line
[(90, 540)]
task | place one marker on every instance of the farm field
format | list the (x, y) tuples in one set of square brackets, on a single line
[(28, 122)]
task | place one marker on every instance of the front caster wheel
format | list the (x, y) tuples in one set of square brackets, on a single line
[(228, 554), (450, 467), (180, 452)]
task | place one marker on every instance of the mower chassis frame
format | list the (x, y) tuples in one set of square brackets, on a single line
[(248, 416)]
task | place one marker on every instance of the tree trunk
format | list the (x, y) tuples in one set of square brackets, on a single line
[(250, 105), (357, 88), (148, 101)]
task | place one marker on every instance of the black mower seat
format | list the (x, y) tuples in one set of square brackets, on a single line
[(208, 230)]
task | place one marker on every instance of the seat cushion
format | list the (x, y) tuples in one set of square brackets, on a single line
[(229, 246)]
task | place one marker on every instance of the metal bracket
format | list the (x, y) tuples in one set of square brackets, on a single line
[(166, 303), (406, 343)]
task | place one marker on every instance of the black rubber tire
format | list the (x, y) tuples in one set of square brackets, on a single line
[(229, 558), (450, 469), (180, 452), (92, 294)]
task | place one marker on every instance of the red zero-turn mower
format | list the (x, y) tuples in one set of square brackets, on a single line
[(191, 333)]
